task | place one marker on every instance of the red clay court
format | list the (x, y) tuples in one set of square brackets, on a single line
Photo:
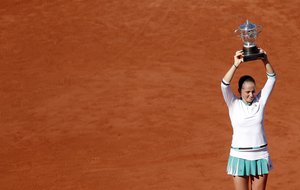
[(125, 95)]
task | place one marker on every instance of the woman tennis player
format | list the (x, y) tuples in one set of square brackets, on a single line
[(249, 162)]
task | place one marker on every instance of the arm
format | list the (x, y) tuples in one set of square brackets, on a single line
[(228, 95), (271, 75), (238, 59), (268, 66)]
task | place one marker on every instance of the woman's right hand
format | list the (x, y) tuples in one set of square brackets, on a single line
[(238, 57)]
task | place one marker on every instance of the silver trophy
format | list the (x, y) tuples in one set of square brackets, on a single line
[(248, 33)]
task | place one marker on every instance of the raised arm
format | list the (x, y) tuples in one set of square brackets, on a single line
[(238, 59), (271, 75), (228, 95), (268, 66)]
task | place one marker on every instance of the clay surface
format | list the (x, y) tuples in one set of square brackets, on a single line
[(125, 94)]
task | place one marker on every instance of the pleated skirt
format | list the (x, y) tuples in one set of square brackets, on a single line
[(243, 167)]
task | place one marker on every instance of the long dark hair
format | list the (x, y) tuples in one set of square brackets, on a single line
[(243, 79)]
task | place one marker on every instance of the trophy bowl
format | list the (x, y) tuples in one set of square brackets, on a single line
[(248, 33)]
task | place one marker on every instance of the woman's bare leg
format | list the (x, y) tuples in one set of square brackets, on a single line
[(241, 182), (259, 182)]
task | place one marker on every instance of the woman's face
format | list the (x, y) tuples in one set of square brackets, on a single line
[(248, 91)]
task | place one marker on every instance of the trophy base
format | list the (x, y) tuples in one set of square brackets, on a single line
[(252, 53)]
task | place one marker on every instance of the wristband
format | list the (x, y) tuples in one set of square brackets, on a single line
[(235, 66)]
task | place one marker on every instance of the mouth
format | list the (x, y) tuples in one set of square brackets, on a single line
[(250, 99)]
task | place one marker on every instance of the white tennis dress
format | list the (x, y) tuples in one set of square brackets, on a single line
[(247, 121)]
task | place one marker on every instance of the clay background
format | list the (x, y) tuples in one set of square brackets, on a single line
[(125, 95)]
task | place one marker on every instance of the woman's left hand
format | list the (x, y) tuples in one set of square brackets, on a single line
[(265, 58)]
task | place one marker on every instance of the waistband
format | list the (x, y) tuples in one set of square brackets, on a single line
[(249, 148)]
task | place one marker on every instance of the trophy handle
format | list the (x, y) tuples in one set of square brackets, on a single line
[(237, 32)]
